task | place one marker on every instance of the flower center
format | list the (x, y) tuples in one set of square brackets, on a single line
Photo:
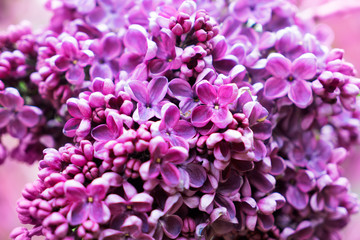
[(158, 160), (216, 107), (90, 199), (128, 207), (74, 62)]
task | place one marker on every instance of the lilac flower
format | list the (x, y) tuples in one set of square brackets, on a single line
[(172, 129), (137, 202), (216, 104), (186, 94), (148, 97), (106, 51), (162, 162), (290, 78), (297, 195), (111, 130), (87, 202), (72, 60), (139, 48), (226, 141), (167, 55), (257, 11), (16, 116)]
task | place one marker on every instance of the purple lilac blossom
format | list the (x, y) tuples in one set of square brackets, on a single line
[(185, 120)]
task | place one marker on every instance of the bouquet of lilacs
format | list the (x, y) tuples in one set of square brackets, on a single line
[(179, 120)]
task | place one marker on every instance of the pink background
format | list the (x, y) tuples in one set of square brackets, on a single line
[(14, 175)]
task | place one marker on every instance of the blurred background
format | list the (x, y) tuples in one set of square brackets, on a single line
[(346, 27)]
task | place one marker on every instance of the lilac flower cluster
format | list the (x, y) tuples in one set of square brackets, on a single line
[(189, 119)]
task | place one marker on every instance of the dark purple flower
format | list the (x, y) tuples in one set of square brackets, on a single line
[(87, 202)]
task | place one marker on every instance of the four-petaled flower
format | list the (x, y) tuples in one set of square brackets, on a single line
[(171, 128), (14, 115), (148, 97), (215, 106), (289, 78), (87, 202), (162, 162)]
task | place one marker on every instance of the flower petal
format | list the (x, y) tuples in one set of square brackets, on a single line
[(197, 175), (98, 188), (206, 92), (170, 116), (99, 212), (75, 191), (139, 91), (296, 198), (135, 41), (276, 87), (142, 202), (304, 67), (157, 89), (170, 174), (201, 115), (176, 155), (172, 226), (180, 88), (278, 65), (111, 46), (100, 70), (227, 94), (16, 129), (5, 116), (10, 98), (184, 129), (222, 117), (75, 75), (300, 93), (29, 116), (78, 213), (71, 126)]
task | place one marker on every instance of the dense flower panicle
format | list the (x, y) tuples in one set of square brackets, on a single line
[(185, 120)]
